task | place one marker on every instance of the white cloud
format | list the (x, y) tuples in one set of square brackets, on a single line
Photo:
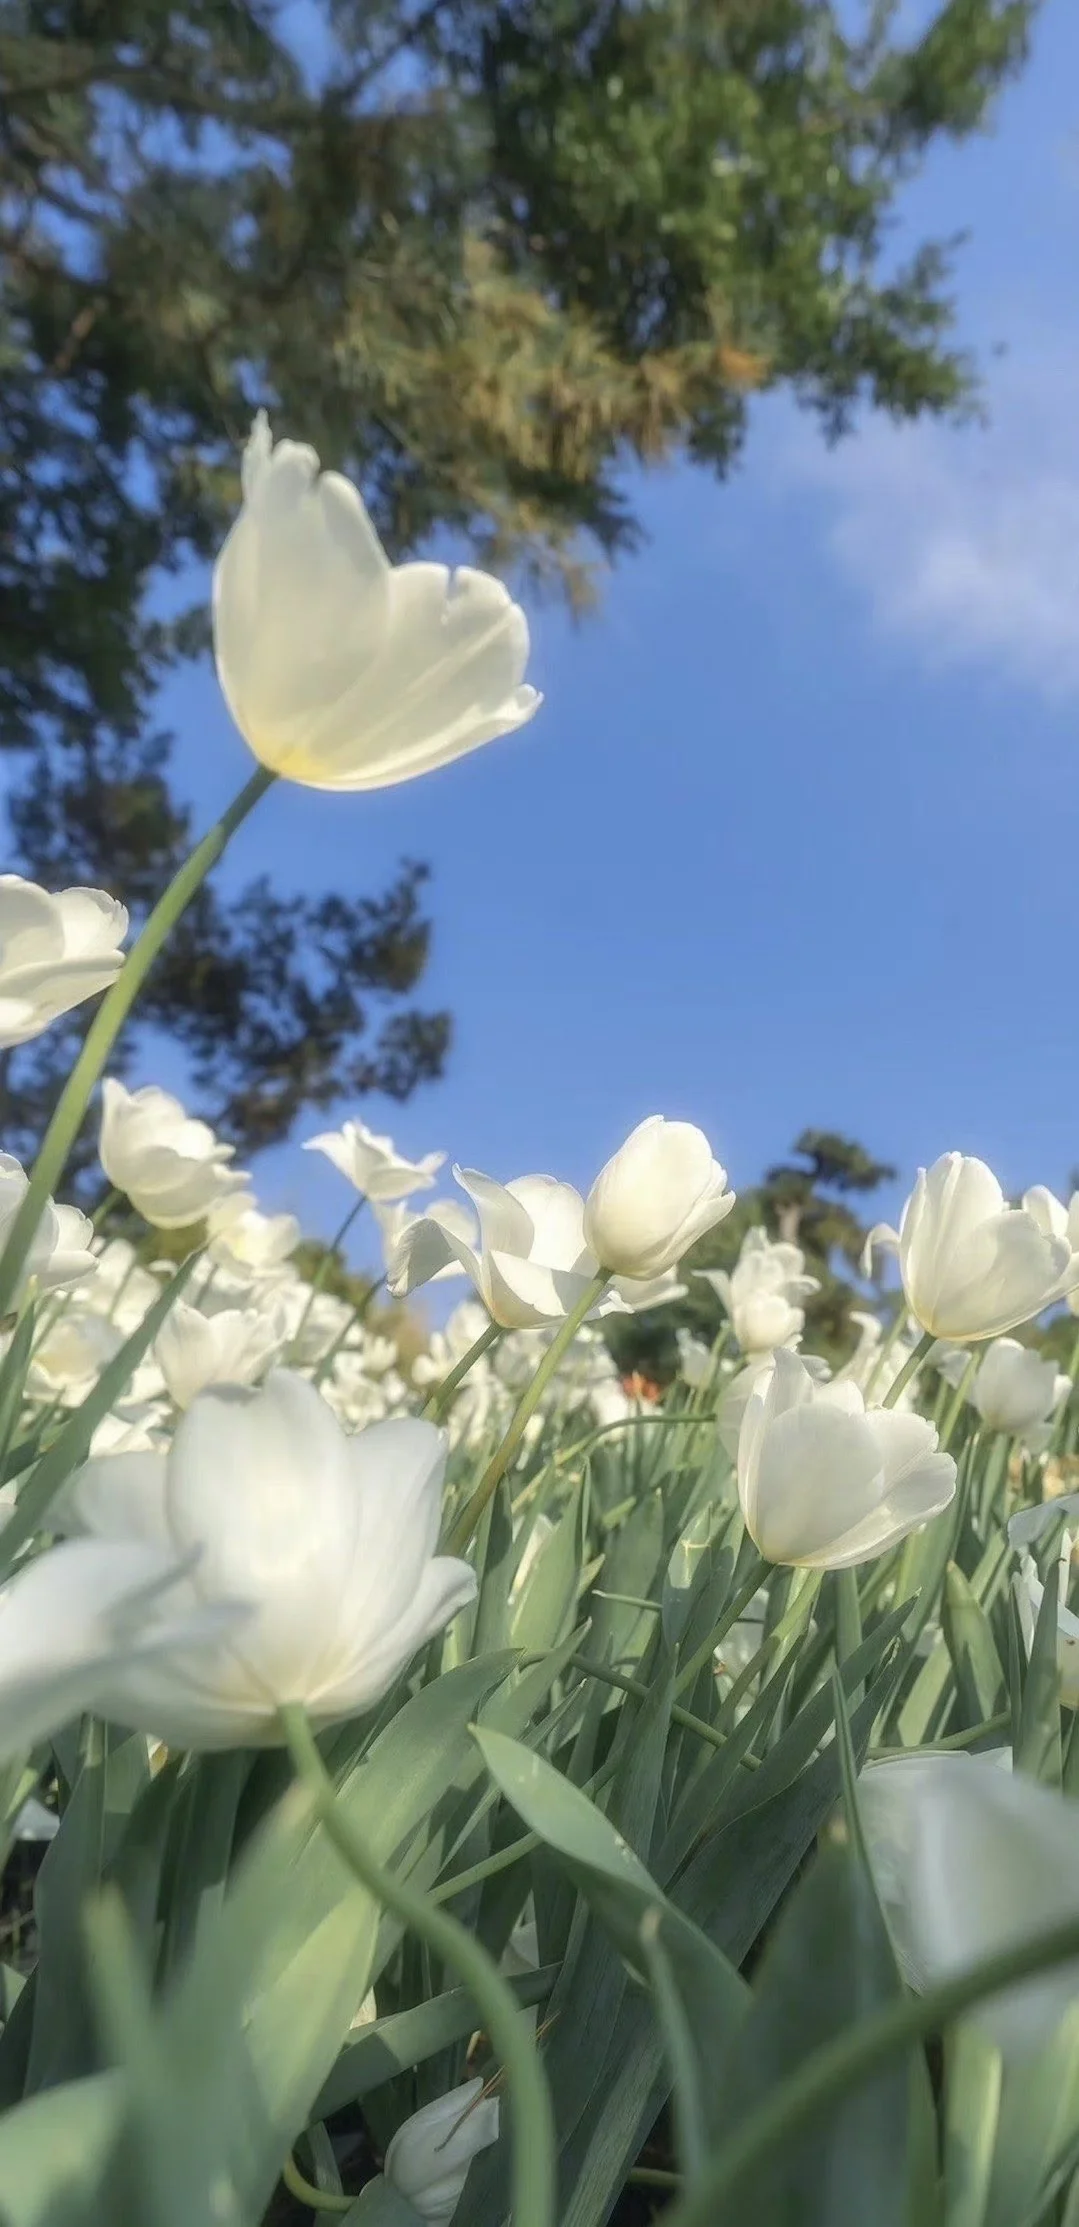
[(966, 541)]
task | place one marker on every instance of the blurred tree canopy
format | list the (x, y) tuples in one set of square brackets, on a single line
[(483, 254)]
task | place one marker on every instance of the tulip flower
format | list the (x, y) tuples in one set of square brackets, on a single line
[(247, 1243), (825, 1482), (341, 670), (329, 1541), (661, 1190), (970, 1860), (235, 1346), (79, 1615), (1061, 1221), (394, 1218), (761, 1292), (60, 1251), (54, 953), (1016, 1391), (532, 1264), (373, 1164), (171, 1168), (429, 2156), (973, 1267)]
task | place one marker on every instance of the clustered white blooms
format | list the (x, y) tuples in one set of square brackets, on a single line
[(541, 1245), (257, 1524), (763, 1291)]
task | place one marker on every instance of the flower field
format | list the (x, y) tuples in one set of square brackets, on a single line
[(469, 1783)]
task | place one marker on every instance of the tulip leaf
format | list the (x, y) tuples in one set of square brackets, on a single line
[(1038, 2125), (1037, 1747), (548, 1596), (491, 1629), (972, 2110), (71, 1445), (979, 1677), (53, 2149), (389, 2046), (828, 1964)]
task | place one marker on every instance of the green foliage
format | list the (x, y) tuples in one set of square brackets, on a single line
[(483, 254)]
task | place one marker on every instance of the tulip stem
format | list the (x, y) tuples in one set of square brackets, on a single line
[(316, 2199), (440, 1399), (105, 1027), (461, 1531), (846, 2063), (355, 1321), (848, 1623), (912, 1363), (532, 2193), (702, 1654), (322, 1271)]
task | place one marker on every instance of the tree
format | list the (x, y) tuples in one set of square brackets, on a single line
[(482, 253), (807, 1202)]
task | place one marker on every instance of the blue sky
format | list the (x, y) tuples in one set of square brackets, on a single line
[(794, 838)]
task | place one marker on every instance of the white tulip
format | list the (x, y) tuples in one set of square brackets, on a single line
[(373, 1164), (762, 1292), (54, 953), (972, 1266), (122, 1288), (825, 1482), (1061, 1221), (236, 1346), (659, 1192), (429, 2156), (60, 1251), (76, 1617), (1015, 1390), (696, 1361), (532, 1265), (68, 1359), (248, 1243), (170, 1167), (341, 670), (328, 1540), (738, 1387), (970, 1860), (394, 1218)]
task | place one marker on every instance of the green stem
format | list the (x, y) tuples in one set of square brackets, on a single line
[(964, 1739), (355, 1321), (636, 1686), (532, 2195), (846, 2063), (440, 1399), (848, 1622), (316, 2199), (912, 1363), (323, 1270), (461, 1531), (731, 1614), (652, 2176), (105, 1028), (962, 1394)]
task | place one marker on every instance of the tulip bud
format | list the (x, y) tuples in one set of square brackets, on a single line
[(373, 1164), (825, 1482), (429, 2156), (658, 1194)]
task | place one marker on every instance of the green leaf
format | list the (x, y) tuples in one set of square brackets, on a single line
[(389, 2046), (548, 1597), (972, 2106), (72, 1444), (829, 1964), (968, 1637), (53, 2150), (1037, 1748)]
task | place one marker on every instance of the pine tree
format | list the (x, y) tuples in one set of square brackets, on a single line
[(483, 254)]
